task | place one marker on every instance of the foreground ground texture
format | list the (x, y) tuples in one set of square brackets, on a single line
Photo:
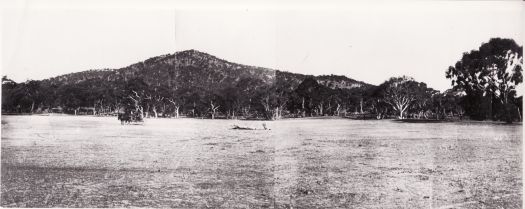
[(61, 161)]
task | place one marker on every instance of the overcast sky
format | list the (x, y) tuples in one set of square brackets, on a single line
[(367, 42)]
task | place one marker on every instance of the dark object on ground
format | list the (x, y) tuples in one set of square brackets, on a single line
[(130, 118), (236, 127), (420, 120)]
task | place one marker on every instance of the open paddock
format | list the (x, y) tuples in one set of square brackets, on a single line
[(83, 161)]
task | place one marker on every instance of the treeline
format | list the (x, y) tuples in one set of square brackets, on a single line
[(249, 98), (400, 97), (195, 84)]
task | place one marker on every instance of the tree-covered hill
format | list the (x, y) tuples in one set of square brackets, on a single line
[(194, 69), (188, 78)]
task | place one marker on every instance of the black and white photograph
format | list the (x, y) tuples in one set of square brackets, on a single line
[(262, 104)]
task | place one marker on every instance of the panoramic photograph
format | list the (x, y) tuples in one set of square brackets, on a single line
[(266, 105)]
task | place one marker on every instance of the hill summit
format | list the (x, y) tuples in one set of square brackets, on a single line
[(192, 68)]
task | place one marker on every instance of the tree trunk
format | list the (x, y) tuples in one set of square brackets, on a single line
[(177, 112), (155, 114), (303, 109), (141, 110), (245, 111), (163, 110), (213, 109), (361, 105), (338, 109), (508, 115), (519, 113)]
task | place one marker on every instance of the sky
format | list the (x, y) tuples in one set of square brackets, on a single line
[(370, 42)]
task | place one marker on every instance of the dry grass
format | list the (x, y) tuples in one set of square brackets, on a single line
[(96, 162)]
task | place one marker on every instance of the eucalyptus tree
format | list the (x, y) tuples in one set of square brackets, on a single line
[(402, 92), (495, 69), (134, 97)]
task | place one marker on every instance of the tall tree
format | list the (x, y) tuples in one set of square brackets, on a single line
[(495, 69), (423, 103), (401, 92), (134, 96), (9, 101)]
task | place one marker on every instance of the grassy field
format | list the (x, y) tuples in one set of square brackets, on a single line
[(67, 161)]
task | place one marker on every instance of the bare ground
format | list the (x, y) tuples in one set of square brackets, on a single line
[(62, 161)]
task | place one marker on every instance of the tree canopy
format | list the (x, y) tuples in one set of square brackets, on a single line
[(402, 93), (489, 73)]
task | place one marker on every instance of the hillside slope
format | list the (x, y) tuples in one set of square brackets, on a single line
[(194, 69)]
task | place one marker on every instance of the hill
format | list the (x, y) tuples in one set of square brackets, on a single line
[(192, 68), (187, 82)]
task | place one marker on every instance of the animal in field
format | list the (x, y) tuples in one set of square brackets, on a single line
[(124, 118)]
